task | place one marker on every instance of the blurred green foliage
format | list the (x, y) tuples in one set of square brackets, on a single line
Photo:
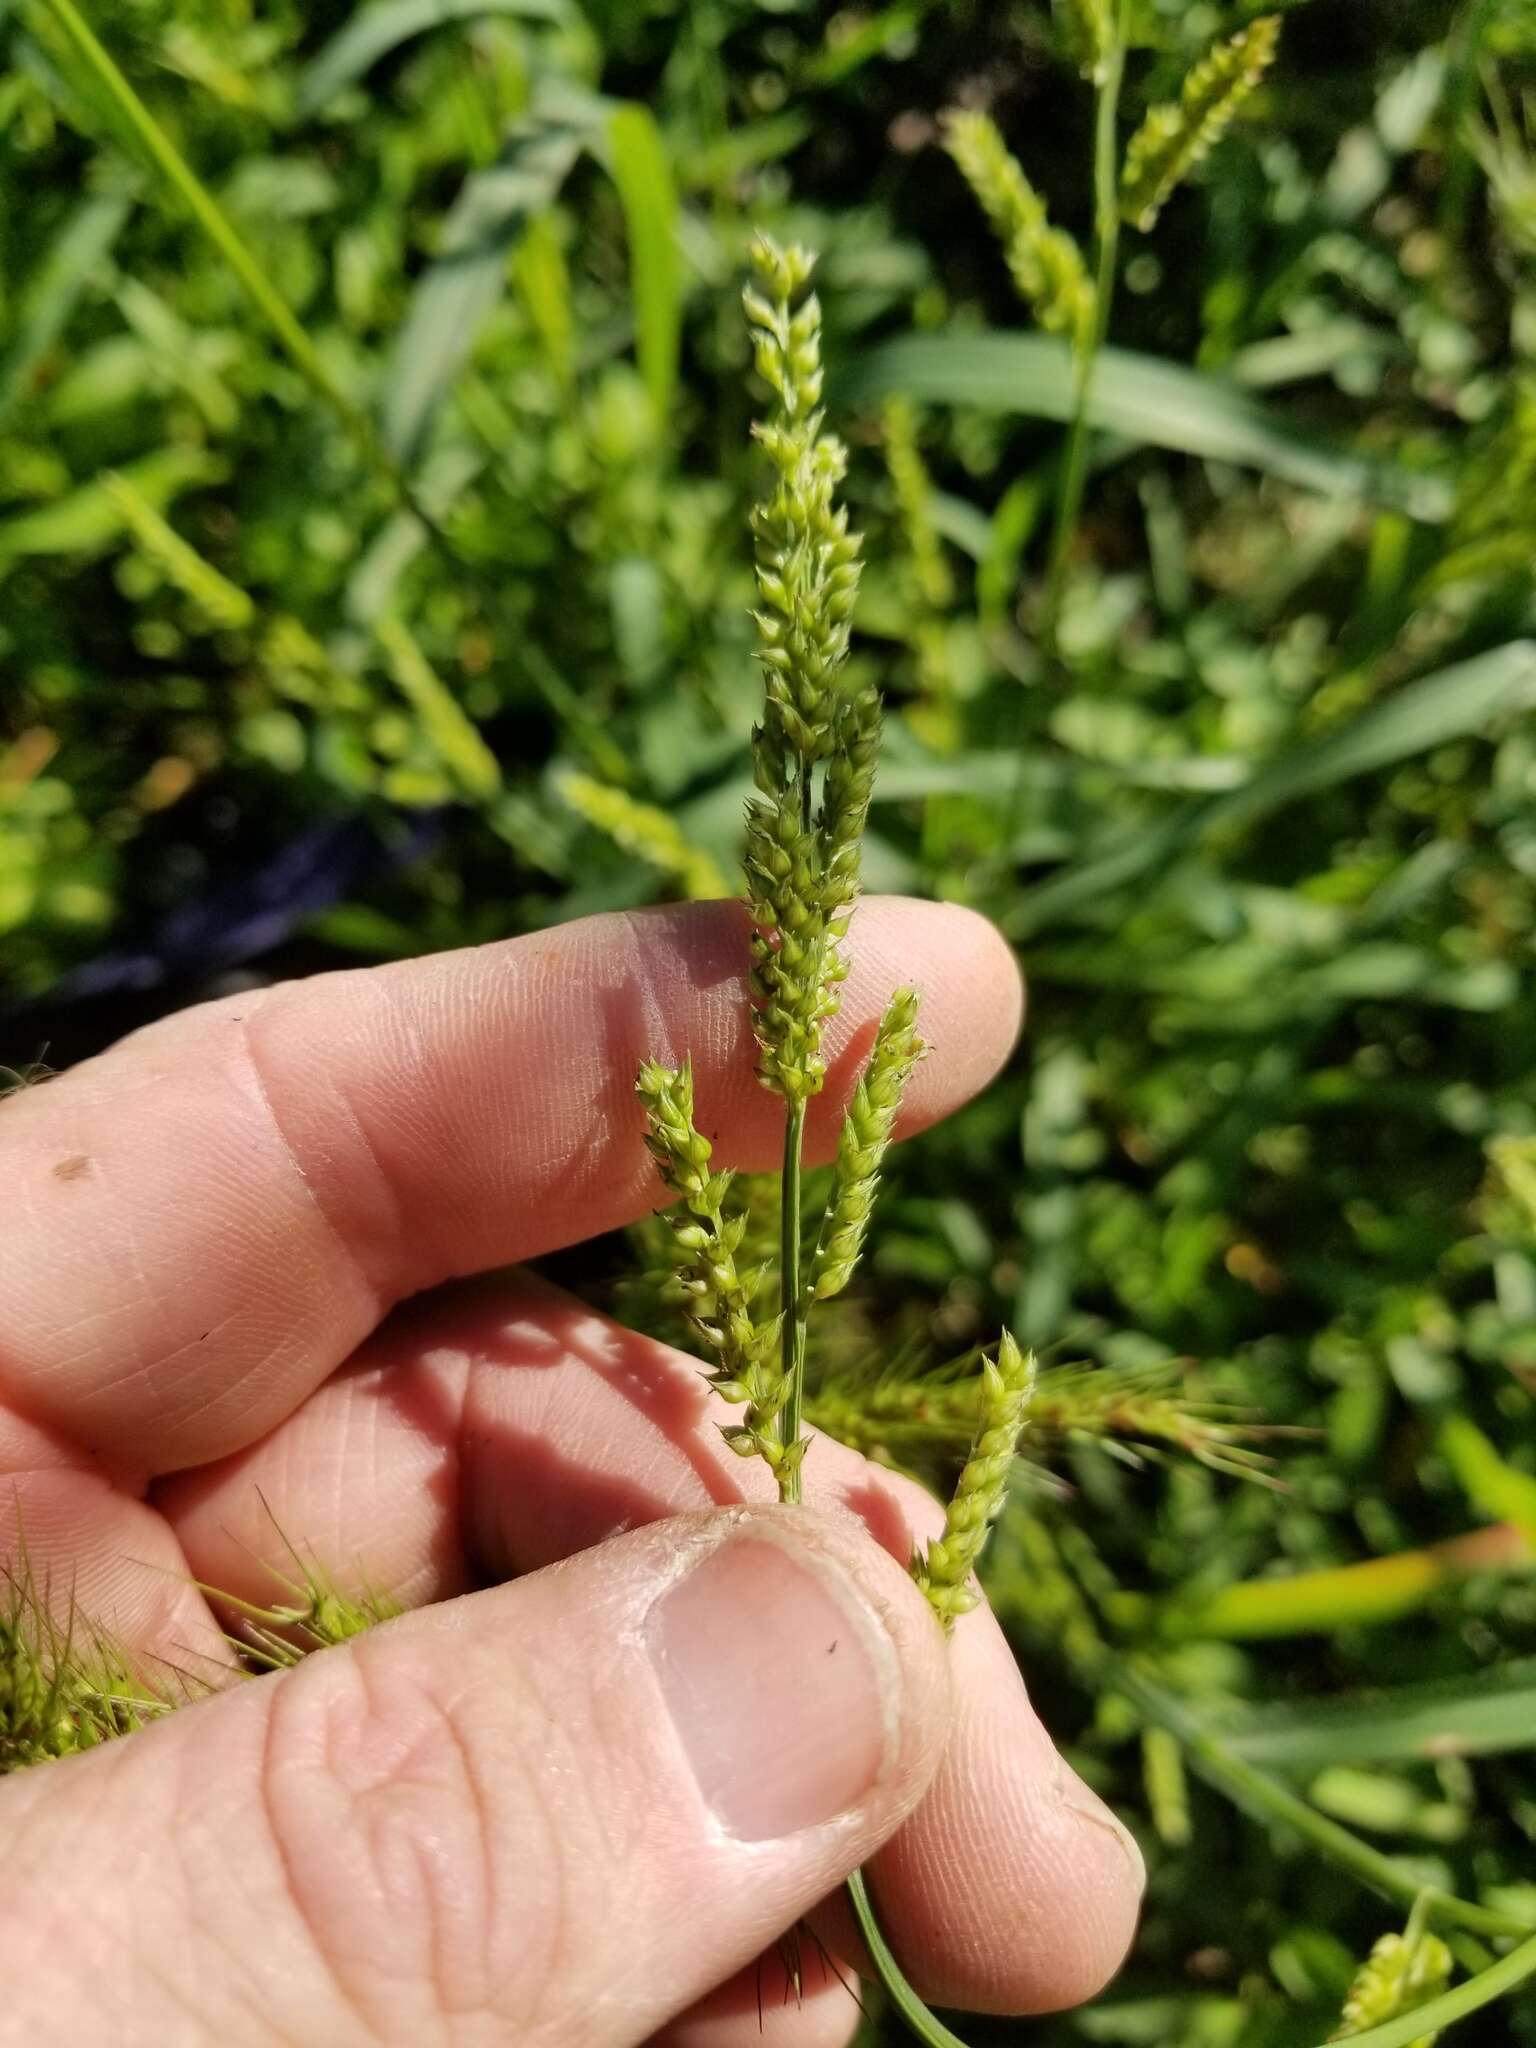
[(466, 540)]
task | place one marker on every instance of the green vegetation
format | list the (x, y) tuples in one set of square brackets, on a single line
[(373, 453)]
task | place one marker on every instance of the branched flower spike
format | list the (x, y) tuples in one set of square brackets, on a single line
[(1046, 264), (1178, 133), (944, 1570), (802, 869), (861, 1146)]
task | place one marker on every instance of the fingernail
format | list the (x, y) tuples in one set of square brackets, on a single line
[(780, 1678), (1081, 1799)]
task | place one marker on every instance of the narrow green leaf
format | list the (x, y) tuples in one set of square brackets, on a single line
[(70, 267), (455, 293), (647, 190), (1482, 1715), (372, 32), (1139, 397), (1445, 705)]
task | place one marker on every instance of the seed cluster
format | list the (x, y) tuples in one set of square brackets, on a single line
[(944, 1570), (717, 1296), (1046, 264), (861, 1146), (802, 860), (1177, 133)]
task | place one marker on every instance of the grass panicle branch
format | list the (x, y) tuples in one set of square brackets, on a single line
[(862, 1143), (944, 1570), (930, 1416), (717, 1295), (1045, 263), (643, 829), (1177, 134), (64, 1686)]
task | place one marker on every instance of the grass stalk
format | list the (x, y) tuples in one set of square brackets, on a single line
[(795, 1304), (922, 2023)]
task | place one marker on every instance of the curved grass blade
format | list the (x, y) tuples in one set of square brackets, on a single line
[(455, 293), (642, 171), (1139, 397), (1484, 1714), (374, 31), (149, 137)]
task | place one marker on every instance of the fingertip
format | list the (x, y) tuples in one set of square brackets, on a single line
[(1014, 1886)]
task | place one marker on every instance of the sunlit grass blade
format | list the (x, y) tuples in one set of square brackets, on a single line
[(1481, 1715), (457, 291), (642, 171), (1155, 403), (373, 31), (1444, 705), (90, 518)]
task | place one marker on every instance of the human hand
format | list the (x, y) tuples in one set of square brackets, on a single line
[(578, 1807)]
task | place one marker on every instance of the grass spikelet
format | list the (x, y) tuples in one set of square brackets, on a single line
[(1090, 34), (1403, 1971), (1046, 264), (221, 603), (1177, 134), (717, 1295), (64, 1687), (646, 830), (861, 1145), (944, 1570)]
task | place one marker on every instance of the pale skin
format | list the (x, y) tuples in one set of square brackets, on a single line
[(254, 1282)]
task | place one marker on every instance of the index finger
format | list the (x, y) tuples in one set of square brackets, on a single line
[(209, 1218)]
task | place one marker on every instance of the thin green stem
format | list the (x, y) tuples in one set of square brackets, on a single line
[(1106, 210), (906, 2001), (1426, 2020), (1265, 1798), (794, 1304)]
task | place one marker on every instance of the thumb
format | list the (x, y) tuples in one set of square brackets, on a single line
[(557, 1812)]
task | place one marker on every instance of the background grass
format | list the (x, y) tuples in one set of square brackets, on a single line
[(373, 408)]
